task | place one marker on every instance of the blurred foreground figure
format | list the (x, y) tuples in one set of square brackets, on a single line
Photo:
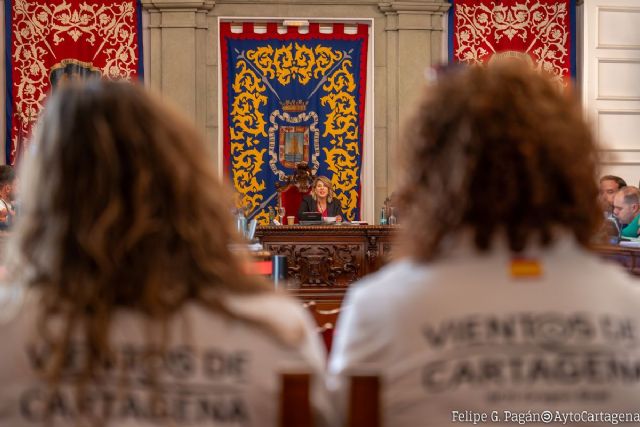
[(128, 309), (496, 305)]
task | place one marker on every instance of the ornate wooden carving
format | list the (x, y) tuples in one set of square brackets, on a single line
[(372, 250), (311, 266), (326, 259), (387, 252)]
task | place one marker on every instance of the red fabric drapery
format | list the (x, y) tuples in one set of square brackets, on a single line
[(51, 41), (540, 32)]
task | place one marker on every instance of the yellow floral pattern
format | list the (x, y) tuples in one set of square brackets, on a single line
[(247, 122), (341, 125), (294, 61)]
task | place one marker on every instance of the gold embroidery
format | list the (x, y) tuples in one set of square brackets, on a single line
[(293, 62), (283, 60), (247, 120), (262, 58), (325, 58), (305, 61), (342, 124)]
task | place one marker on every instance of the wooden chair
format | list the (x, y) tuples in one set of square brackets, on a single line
[(325, 313), (364, 402), (290, 200), (295, 403)]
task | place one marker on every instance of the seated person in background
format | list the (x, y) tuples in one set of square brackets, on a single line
[(7, 213), (130, 308), (626, 209), (497, 305), (609, 186), (609, 232), (322, 199)]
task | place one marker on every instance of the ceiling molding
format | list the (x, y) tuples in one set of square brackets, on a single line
[(414, 6), (179, 4)]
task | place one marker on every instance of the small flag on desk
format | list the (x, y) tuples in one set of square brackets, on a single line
[(522, 268)]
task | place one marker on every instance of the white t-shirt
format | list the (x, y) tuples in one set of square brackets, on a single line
[(215, 371), (465, 334)]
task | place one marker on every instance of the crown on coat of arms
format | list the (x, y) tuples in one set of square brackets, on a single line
[(294, 106)]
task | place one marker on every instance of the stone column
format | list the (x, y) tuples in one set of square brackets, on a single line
[(177, 50), (414, 37)]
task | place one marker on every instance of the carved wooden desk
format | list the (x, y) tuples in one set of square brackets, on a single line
[(629, 258), (325, 260)]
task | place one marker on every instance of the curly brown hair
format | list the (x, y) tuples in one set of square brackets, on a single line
[(121, 208), (497, 150)]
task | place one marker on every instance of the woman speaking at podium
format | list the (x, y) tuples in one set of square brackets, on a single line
[(322, 199)]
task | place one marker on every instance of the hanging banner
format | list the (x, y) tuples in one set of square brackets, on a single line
[(540, 32), (51, 41), (293, 97)]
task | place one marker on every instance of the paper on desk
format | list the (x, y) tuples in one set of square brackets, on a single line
[(255, 247), (635, 243)]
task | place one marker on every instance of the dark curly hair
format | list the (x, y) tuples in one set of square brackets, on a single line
[(121, 208), (497, 150)]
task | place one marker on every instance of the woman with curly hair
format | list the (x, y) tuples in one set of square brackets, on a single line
[(497, 308), (133, 310)]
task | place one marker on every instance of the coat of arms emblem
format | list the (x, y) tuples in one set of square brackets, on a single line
[(293, 138)]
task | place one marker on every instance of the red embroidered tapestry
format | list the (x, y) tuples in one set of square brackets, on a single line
[(541, 32), (50, 41)]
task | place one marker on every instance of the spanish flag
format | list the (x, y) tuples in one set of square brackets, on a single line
[(525, 268)]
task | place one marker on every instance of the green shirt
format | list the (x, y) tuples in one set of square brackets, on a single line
[(631, 230)]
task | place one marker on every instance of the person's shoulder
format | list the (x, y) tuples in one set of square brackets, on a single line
[(266, 302), (285, 314), (599, 269), (395, 277), (594, 270)]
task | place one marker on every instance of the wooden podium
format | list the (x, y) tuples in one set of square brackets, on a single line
[(325, 259)]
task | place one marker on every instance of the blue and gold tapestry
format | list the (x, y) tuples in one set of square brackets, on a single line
[(291, 98)]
